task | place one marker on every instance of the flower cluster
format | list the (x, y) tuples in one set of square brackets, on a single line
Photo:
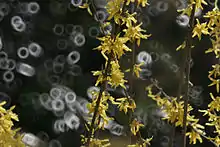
[(211, 28), (145, 142), (174, 114), (8, 136), (95, 142), (113, 46), (214, 75), (198, 5)]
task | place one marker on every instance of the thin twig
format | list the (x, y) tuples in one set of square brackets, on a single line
[(102, 89), (188, 58), (104, 84), (202, 134)]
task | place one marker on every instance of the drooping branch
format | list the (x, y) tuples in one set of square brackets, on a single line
[(102, 89), (187, 62)]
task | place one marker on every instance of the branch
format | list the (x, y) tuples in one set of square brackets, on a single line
[(102, 89), (187, 61), (164, 93)]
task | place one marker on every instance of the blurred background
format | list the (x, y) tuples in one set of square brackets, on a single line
[(46, 59)]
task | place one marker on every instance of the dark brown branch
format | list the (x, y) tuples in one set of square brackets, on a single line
[(187, 61), (102, 89)]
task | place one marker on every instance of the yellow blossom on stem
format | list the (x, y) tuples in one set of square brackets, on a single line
[(113, 45), (86, 6), (215, 82), (8, 136), (114, 7), (198, 3), (182, 46), (142, 2), (137, 69), (95, 142), (194, 136), (174, 111), (100, 77), (135, 33), (135, 126), (116, 77), (215, 48), (102, 109), (215, 103), (200, 29), (213, 17), (125, 104), (128, 19), (215, 71)]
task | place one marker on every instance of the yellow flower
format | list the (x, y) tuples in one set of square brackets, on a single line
[(213, 17), (129, 19), (135, 33), (113, 45), (116, 77), (215, 82), (8, 136), (142, 2), (194, 136), (182, 46), (215, 71), (86, 6), (114, 8), (100, 79), (198, 3), (215, 103), (135, 126), (217, 140), (137, 69), (125, 104), (102, 109), (200, 29), (95, 142), (215, 48), (145, 143)]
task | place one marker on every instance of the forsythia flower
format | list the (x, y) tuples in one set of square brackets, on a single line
[(137, 69), (174, 110), (117, 77), (8, 137), (142, 2), (215, 71), (144, 144), (103, 107), (216, 140), (215, 103), (86, 6), (215, 48), (134, 33), (213, 17), (100, 77), (113, 45), (129, 19), (135, 126), (114, 8), (125, 104), (95, 142), (182, 46), (198, 3), (194, 136), (215, 82), (200, 29)]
